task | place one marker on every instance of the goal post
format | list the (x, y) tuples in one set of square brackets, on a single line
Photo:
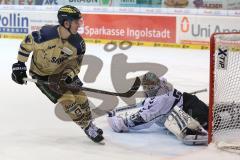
[(224, 91)]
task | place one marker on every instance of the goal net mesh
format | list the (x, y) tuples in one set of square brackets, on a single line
[(225, 66)]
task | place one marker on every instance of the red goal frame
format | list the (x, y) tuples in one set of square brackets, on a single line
[(211, 82)]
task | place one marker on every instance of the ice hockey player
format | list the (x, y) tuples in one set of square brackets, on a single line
[(182, 114), (53, 47)]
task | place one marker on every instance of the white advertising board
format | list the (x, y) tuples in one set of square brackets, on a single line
[(198, 29)]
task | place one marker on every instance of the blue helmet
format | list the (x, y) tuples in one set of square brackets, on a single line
[(68, 13)]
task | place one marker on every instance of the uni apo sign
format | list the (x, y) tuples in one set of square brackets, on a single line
[(13, 23), (201, 28)]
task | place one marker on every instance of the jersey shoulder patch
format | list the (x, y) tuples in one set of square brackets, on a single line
[(28, 40), (78, 42), (46, 33)]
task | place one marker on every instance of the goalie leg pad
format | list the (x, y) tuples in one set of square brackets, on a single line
[(186, 119), (175, 125), (178, 122)]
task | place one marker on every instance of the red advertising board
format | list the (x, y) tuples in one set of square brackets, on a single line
[(130, 27)]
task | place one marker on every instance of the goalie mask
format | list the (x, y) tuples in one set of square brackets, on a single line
[(151, 84), (155, 86)]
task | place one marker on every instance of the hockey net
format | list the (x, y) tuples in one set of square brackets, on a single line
[(224, 91)]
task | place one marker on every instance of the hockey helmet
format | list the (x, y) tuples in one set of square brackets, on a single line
[(68, 13), (150, 84)]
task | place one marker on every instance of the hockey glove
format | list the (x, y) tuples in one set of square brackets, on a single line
[(70, 84), (19, 72)]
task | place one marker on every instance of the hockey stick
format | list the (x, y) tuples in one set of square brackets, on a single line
[(129, 93), (199, 91), (132, 106)]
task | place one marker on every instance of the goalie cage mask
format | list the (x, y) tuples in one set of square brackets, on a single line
[(151, 84)]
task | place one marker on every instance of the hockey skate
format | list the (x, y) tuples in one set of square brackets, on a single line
[(195, 137), (94, 133)]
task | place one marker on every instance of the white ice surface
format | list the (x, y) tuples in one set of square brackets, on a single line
[(31, 131)]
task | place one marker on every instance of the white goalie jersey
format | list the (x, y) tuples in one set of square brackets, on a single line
[(155, 110)]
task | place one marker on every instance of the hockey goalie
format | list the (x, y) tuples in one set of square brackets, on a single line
[(183, 114)]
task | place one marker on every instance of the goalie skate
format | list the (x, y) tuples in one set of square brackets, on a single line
[(195, 140), (198, 136)]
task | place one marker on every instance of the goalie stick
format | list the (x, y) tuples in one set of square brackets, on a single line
[(132, 106), (129, 93)]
